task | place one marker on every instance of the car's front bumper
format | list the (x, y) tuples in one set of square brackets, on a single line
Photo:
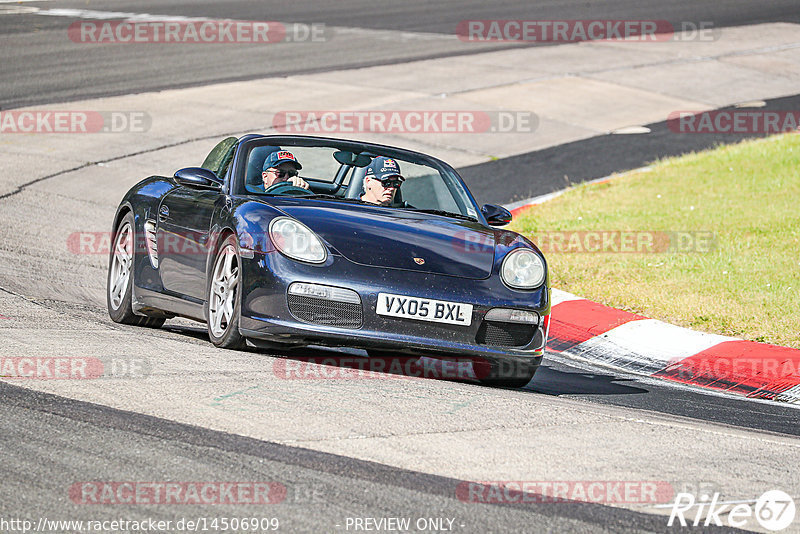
[(266, 314)]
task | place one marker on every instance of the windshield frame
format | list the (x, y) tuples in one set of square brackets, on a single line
[(450, 177)]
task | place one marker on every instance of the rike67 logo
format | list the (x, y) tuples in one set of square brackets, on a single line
[(774, 511)]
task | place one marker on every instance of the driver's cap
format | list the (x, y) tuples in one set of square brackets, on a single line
[(281, 156)]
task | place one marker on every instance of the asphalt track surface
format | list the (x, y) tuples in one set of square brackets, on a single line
[(40, 64), (553, 169), (49, 442), (56, 438)]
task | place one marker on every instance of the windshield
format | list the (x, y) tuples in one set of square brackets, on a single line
[(389, 179)]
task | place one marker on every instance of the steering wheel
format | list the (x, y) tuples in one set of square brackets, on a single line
[(287, 188)]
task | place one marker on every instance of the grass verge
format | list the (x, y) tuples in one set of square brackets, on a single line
[(715, 238)]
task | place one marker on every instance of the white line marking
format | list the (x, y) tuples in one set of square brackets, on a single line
[(746, 501), (751, 104), (534, 200), (17, 10), (116, 15), (630, 130), (392, 35), (550, 196), (557, 296)]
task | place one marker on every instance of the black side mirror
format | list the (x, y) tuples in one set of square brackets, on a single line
[(496, 215), (198, 177)]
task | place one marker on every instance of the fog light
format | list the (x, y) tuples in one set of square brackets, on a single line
[(319, 291), (506, 315)]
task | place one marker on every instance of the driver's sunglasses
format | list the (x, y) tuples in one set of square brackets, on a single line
[(392, 182), (283, 173)]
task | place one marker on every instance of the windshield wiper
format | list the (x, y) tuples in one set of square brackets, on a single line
[(420, 210), (333, 197), (444, 213)]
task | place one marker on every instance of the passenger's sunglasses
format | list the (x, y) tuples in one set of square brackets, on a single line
[(392, 182), (283, 173)]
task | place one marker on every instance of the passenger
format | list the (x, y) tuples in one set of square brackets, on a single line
[(382, 179), (280, 170)]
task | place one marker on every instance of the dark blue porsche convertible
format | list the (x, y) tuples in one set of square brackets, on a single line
[(286, 241)]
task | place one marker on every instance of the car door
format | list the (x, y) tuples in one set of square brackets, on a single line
[(184, 223)]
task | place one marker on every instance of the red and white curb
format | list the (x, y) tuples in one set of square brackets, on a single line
[(587, 330), (583, 329)]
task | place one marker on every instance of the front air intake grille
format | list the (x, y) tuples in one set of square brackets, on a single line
[(505, 334), (326, 312)]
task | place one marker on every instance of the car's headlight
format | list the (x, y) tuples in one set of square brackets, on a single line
[(522, 269), (295, 240)]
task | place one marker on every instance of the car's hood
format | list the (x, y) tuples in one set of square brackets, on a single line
[(399, 239)]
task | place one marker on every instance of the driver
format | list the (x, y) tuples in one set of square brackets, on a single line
[(280, 171), (382, 179)]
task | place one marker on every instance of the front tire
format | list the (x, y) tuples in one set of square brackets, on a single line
[(119, 287), (222, 297)]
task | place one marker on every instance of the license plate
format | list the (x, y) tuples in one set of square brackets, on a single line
[(436, 311)]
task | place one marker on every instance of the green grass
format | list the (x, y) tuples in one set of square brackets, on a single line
[(747, 195)]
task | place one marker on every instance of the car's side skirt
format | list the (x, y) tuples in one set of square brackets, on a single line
[(146, 300)]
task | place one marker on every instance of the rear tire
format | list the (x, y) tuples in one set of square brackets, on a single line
[(119, 284), (223, 304)]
